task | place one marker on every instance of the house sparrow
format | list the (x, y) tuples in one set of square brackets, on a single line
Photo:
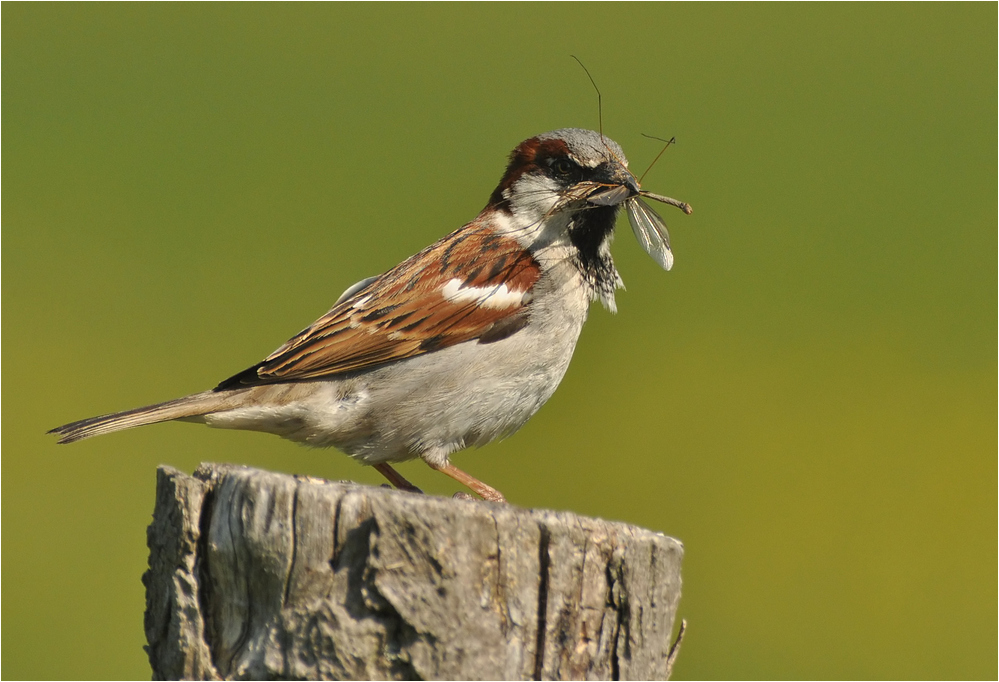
[(456, 346)]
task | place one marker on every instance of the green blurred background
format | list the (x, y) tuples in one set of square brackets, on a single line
[(807, 400)]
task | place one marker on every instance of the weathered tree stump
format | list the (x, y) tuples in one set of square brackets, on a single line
[(259, 575)]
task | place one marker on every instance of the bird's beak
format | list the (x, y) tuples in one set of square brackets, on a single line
[(616, 185)]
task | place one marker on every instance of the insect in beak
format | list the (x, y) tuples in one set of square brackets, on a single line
[(649, 228), (610, 197)]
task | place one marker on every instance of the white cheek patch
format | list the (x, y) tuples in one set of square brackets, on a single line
[(534, 195), (497, 297)]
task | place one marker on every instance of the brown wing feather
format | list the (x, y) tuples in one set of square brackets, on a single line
[(404, 313)]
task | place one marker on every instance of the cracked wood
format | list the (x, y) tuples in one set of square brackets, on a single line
[(261, 575)]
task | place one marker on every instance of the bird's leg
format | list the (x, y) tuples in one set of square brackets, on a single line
[(395, 478), (478, 487)]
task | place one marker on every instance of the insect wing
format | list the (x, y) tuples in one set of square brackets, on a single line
[(651, 232), (610, 197)]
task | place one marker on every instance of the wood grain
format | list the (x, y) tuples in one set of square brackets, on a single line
[(261, 575)]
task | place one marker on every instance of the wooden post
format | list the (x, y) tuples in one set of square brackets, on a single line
[(259, 575)]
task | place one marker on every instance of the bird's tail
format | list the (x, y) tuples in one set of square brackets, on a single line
[(190, 406)]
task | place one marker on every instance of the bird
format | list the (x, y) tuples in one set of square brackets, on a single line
[(458, 345)]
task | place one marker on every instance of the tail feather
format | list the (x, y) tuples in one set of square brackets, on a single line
[(189, 406)]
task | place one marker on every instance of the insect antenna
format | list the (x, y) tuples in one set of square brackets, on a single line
[(600, 109), (668, 142), (600, 99), (683, 206)]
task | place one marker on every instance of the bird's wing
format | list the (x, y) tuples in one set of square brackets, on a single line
[(472, 284)]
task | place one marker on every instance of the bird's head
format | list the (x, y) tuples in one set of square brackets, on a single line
[(564, 170)]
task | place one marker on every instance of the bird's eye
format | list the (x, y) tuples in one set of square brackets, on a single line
[(565, 168)]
